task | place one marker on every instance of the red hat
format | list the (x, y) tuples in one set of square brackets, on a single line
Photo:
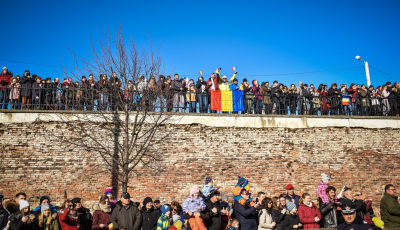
[(289, 186)]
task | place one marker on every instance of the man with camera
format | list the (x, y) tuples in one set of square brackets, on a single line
[(246, 215), (358, 202)]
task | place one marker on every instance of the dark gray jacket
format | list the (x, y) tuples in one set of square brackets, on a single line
[(126, 217)]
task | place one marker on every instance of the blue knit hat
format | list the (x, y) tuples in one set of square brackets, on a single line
[(290, 206), (241, 180), (165, 208), (208, 180)]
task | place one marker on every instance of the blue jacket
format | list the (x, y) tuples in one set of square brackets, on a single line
[(247, 217), (296, 199), (233, 87), (37, 209)]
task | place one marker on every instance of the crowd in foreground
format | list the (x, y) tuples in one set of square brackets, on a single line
[(187, 95), (204, 209)]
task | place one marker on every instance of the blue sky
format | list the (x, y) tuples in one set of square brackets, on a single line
[(258, 37)]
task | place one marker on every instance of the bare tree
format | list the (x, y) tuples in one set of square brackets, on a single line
[(124, 112)]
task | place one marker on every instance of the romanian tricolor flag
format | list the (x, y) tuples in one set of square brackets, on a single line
[(227, 100), (346, 100), (201, 72), (233, 68), (110, 225), (177, 226)]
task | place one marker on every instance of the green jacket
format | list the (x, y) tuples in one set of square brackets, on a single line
[(390, 211)]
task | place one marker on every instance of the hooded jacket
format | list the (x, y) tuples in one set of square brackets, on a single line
[(126, 217), (17, 224), (299, 89), (390, 211), (149, 218), (256, 90), (26, 86), (100, 217), (67, 222), (266, 97)]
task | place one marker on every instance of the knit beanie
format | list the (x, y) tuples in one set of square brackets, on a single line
[(44, 207), (290, 206), (165, 208), (5, 68), (241, 180), (45, 197), (194, 189), (208, 180), (108, 191), (325, 178), (23, 204), (244, 79), (147, 200)]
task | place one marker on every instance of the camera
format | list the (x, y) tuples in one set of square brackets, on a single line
[(219, 68)]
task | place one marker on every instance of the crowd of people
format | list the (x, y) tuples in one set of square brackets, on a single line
[(187, 95), (205, 209)]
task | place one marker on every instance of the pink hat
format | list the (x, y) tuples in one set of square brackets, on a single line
[(194, 189)]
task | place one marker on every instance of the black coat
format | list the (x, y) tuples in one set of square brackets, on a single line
[(278, 218), (247, 216), (329, 215), (149, 219), (26, 86), (3, 217), (127, 217), (215, 221), (17, 224), (85, 218), (198, 86), (334, 97)]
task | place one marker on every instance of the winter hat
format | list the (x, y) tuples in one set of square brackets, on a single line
[(208, 180), (165, 208), (23, 204), (325, 178), (214, 192), (76, 200), (42, 198), (225, 198), (147, 200), (290, 206), (244, 79), (45, 207), (241, 180), (108, 191), (5, 68), (194, 189)]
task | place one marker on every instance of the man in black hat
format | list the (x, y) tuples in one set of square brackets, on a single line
[(84, 216), (214, 210), (3, 214), (126, 215), (44, 199), (349, 215)]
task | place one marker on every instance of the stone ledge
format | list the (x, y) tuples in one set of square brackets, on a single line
[(226, 120)]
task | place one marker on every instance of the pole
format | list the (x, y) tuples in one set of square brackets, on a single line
[(367, 73)]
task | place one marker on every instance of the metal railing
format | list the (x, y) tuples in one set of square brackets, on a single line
[(87, 99)]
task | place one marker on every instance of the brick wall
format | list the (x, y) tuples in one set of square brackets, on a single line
[(364, 159)]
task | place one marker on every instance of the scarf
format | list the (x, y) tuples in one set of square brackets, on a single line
[(308, 205), (105, 208)]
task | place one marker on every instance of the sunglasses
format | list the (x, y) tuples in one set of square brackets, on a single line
[(175, 210)]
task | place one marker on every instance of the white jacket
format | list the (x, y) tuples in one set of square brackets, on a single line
[(265, 220)]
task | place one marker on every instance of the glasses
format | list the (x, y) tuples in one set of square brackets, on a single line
[(175, 210)]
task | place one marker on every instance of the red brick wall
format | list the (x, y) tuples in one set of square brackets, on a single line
[(364, 159)]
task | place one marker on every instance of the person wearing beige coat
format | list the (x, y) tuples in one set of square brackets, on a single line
[(265, 221)]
